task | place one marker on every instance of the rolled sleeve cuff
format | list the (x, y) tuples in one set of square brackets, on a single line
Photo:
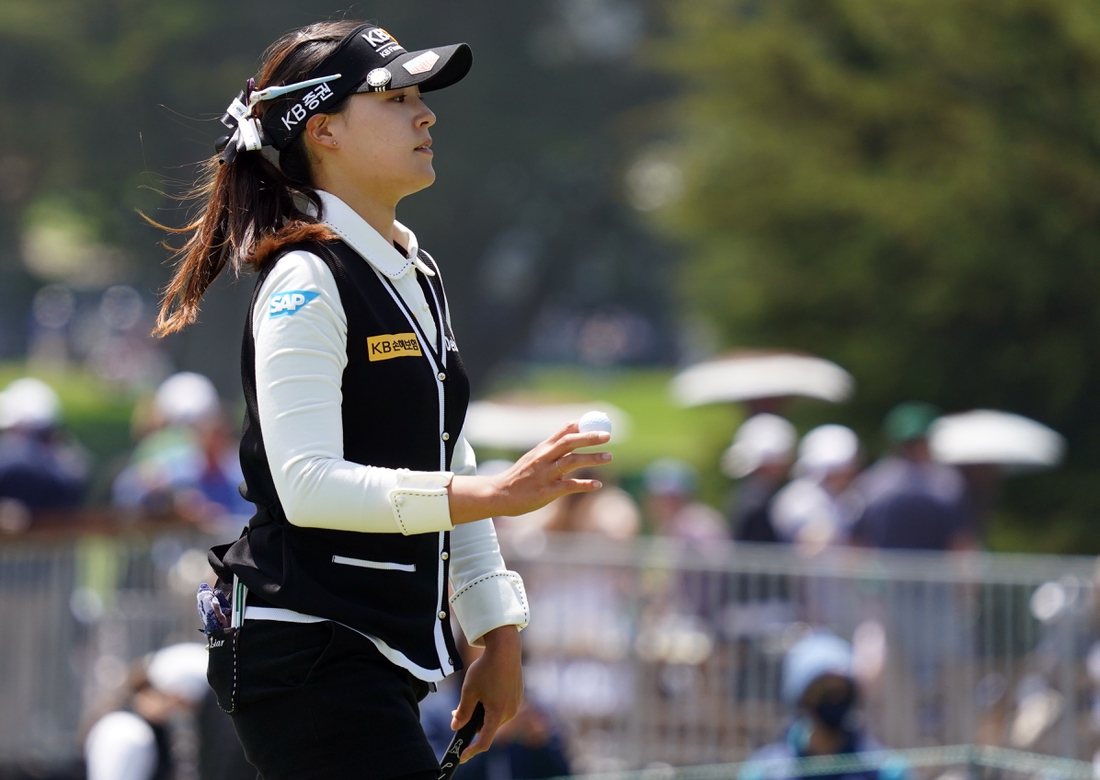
[(491, 601), (420, 503)]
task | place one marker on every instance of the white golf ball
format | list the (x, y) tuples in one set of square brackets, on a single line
[(594, 421)]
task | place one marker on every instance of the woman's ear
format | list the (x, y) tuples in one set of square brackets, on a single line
[(319, 131)]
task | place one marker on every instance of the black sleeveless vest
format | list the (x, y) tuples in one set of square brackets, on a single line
[(404, 404)]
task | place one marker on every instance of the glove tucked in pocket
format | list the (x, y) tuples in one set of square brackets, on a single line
[(223, 669)]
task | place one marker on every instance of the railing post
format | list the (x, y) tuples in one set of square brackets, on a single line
[(1068, 682)]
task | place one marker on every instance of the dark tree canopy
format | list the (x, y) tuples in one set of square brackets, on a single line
[(910, 188)]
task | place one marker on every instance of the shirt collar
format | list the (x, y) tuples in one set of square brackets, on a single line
[(369, 243)]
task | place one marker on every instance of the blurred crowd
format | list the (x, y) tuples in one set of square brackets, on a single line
[(809, 493), (184, 462), (815, 492), (818, 491)]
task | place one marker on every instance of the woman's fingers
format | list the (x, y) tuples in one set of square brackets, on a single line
[(465, 711), (485, 735), (579, 460), (572, 441), (565, 430), (567, 486)]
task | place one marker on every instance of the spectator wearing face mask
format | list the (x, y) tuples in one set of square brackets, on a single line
[(821, 691)]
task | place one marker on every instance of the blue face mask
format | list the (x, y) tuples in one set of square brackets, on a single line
[(834, 712), (830, 706)]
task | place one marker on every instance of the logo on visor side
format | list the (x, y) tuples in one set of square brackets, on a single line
[(291, 302), (421, 64), (309, 102), (384, 44)]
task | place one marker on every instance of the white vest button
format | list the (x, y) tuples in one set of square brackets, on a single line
[(442, 376), (442, 615), (444, 556), (446, 436)]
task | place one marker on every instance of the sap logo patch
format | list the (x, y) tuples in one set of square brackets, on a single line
[(290, 302)]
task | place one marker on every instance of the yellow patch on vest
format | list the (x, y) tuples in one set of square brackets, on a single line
[(392, 345)]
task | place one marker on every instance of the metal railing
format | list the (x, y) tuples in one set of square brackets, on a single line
[(662, 651), (647, 651), (955, 762), (75, 612)]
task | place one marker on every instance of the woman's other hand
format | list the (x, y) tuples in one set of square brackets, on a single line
[(495, 679), (533, 481)]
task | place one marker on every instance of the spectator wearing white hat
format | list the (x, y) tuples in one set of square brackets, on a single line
[(134, 740), (188, 464), (759, 459), (816, 508), (41, 467), (820, 688)]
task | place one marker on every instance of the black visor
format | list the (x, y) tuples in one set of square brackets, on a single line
[(369, 59)]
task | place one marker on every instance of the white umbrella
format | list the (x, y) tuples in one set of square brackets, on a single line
[(984, 436), (750, 376), (520, 426)]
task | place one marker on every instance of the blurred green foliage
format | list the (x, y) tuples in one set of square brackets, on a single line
[(910, 188)]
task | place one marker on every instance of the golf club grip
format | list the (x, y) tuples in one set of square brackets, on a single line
[(459, 742)]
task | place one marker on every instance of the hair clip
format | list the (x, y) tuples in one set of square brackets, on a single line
[(274, 92)]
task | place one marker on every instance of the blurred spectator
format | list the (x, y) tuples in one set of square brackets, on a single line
[(188, 462), (911, 502), (670, 487), (40, 467), (821, 691), (135, 742), (527, 747), (816, 508), (610, 511), (759, 460)]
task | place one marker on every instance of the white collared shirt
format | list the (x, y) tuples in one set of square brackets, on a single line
[(300, 361)]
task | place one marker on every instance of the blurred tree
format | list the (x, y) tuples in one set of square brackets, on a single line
[(911, 188), (103, 102)]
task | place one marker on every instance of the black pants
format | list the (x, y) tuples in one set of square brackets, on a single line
[(318, 700)]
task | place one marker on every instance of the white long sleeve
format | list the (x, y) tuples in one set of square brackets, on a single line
[(486, 594)]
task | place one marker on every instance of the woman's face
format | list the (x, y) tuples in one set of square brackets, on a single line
[(380, 144)]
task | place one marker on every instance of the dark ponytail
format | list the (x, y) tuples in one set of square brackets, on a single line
[(251, 208)]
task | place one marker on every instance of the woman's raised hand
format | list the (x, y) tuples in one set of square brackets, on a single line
[(533, 481)]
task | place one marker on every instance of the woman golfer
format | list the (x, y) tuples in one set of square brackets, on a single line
[(367, 503)]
